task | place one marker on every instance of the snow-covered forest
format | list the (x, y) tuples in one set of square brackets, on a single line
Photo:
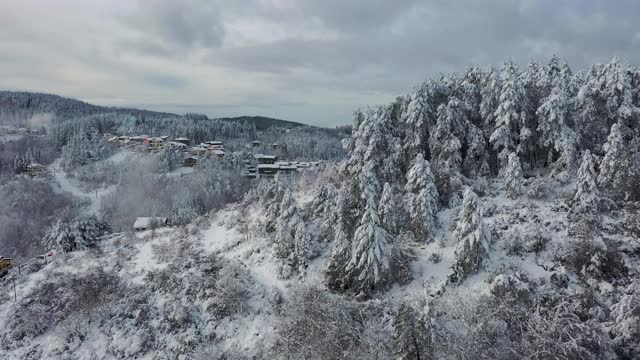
[(488, 214)]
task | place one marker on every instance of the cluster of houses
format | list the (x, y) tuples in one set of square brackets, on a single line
[(257, 165), (210, 149), (269, 165)]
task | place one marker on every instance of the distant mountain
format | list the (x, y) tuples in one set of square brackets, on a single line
[(17, 101), (263, 123)]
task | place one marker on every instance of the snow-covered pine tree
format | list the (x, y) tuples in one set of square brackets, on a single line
[(619, 92), (476, 160), (303, 247), (612, 167), (422, 199), (472, 237), (284, 239), (471, 87), (335, 275), (446, 150), (513, 176), (419, 119), (412, 334), (554, 127), (369, 265), (78, 234), (388, 209), (272, 194), (490, 93), (586, 197), (74, 152), (625, 316), (509, 116)]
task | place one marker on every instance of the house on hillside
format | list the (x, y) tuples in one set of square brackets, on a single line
[(198, 151), (139, 139), (149, 223), (157, 142), (268, 169), (214, 144), (5, 264), (217, 154), (35, 169), (255, 143), (265, 159), (190, 161), (176, 145), (182, 140)]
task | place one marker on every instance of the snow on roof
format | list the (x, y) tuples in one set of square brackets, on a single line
[(113, 138), (35, 165), (174, 143), (263, 156), (147, 222), (285, 163), (214, 142), (268, 166), (218, 152), (198, 148), (181, 139)]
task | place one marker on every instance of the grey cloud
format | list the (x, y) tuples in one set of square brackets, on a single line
[(169, 24), (165, 81), (409, 39)]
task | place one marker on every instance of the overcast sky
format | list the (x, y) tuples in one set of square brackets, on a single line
[(302, 60)]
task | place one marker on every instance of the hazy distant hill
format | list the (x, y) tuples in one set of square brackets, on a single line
[(262, 122), (14, 101)]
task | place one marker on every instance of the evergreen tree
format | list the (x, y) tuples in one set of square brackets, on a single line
[(446, 150), (476, 160), (422, 197), (388, 209), (78, 234), (285, 236), (412, 334), (513, 176), (586, 196), (471, 89), (554, 127), (419, 119), (75, 152), (472, 238), (509, 116), (612, 167), (369, 264), (336, 276), (490, 94)]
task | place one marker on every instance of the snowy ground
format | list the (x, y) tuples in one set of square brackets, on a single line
[(233, 234)]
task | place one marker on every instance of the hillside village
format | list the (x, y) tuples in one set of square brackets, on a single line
[(256, 164)]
